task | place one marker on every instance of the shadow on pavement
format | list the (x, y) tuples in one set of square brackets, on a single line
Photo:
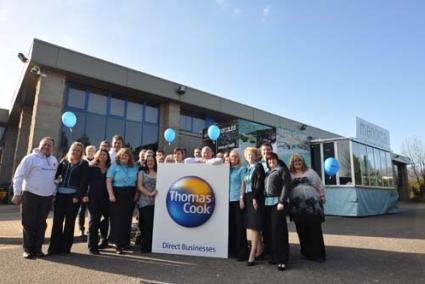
[(343, 265)]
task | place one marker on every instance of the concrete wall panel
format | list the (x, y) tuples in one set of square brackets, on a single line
[(243, 111), (153, 85), (91, 67), (45, 53)]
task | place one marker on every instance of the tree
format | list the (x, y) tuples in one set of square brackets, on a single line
[(414, 149)]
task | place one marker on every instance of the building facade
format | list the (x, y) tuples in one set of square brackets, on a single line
[(111, 99)]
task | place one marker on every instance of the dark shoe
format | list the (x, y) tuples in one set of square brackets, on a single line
[(251, 263), (27, 255), (94, 252), (39, 254), (138, 240), (118, 251), (281, 267), (103, 244)]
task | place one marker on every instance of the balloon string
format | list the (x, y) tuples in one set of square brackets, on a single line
[(70, 130)]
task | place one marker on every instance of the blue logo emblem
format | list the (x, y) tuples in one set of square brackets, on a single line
[(190, 201)]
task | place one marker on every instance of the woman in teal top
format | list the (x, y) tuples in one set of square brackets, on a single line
[(237, 233), (121, 180)]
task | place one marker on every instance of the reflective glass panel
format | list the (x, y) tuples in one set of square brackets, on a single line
[(329, 151), (97, 103), (315, 159), (344, 158), (76, 98), (115, 126), (371, 169), (134, 111), (185, 122), (117, 107), (133, 134), (198, 125), (151, 114), (150, 134), (95, 128)]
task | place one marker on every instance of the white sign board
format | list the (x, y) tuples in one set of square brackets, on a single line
[(191, 210), (372, 134)]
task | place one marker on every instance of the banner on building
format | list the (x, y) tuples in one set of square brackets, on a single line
[(191, 210)]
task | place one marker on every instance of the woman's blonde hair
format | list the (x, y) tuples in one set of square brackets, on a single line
[(250, 150), (292, 160), (238, 162), (123, 151), (73, 145)]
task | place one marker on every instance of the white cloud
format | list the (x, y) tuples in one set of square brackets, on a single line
[(220, 3), (266, 11), (236, 12)]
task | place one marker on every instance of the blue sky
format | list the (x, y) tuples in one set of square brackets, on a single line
[(321, 62)]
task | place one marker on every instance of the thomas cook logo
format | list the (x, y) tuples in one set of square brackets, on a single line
[(190, 201)]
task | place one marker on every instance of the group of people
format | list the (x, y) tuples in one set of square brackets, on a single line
[(262, 194), (263, 191)]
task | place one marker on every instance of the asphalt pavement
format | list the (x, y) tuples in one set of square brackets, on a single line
[(378, 249)]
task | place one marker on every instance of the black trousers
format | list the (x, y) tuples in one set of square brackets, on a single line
[(238, 246), (277, 234), (267, 236), (121, 214), (34, 212), (98, 207), (82, 216), (311, 239), (146, 215), (62, 236)]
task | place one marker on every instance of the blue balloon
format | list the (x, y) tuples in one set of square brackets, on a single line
[(169, 135), (69, 119), (213, 132), (331, 166)]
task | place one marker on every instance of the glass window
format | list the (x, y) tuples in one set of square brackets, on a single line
[(198, 125), (134, 111), (76, 98), (117, 107), (185, 122), (329, 151), (95, 128), (315, 159), (384, 169), (389, 171), (377, 154), (371, 168), (151, 114), (150, 134), (133, 134), (97, 104), (115, 126), (1, 132), (344, 158), (357, 160)]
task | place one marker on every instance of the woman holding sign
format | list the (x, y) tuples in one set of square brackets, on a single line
[(146, 184), (306, 208), (121, 181), (252, 197)]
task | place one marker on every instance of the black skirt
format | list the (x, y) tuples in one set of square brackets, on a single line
[(253, 218)]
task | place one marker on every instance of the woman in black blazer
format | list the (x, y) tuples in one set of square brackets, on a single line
[(98, 201), (71, 177)]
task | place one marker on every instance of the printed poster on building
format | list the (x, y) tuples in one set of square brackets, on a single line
[(191, 210)]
